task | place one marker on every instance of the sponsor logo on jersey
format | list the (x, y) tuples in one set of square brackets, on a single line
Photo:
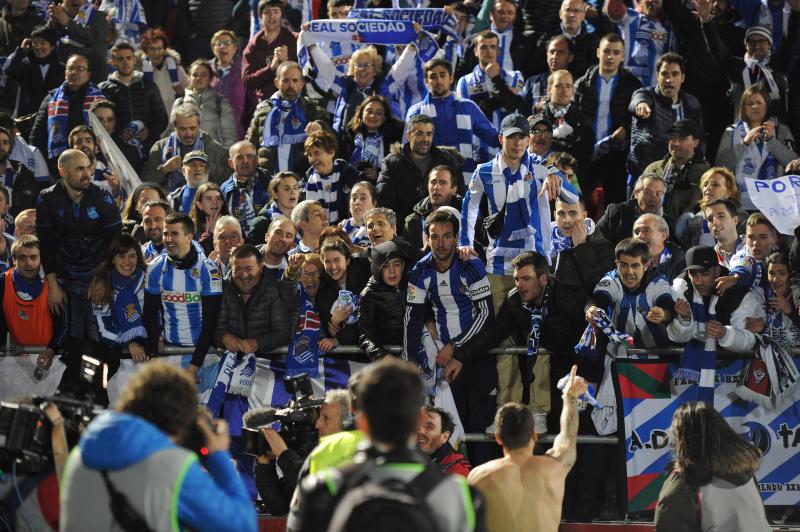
[(169, 296)]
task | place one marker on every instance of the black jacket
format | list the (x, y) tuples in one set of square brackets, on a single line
[(577, 143), (14, 29), (586, 98), (584, 48), (39, 133), (585, 264), (617, 222), (672, 268), (90, 41), (24, 189), (381, 311), (400, 184), (412, 230), (649, 135), (357, 276), (412, 253), (274, 491), (23, 67), (139, 100)]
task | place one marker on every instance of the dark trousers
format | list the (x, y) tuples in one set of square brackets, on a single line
[(609, 171), (476, 404)]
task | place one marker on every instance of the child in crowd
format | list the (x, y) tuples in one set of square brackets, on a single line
[(362, 199), (329, 180)]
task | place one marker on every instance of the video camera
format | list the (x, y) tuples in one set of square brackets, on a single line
[(297, 420), (25, 430)]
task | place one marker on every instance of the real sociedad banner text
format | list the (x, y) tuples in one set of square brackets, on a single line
[(429, 18), (649, 396), (362, 31)]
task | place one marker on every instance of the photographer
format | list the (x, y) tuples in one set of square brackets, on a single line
[(135, 454), (276, 491)]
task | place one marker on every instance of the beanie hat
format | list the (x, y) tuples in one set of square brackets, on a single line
[(763, 31)]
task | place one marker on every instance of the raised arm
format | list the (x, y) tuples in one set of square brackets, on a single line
[(565, 445)]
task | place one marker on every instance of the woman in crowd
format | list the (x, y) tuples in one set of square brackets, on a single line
[(692, 229), (713, 465), (757, 146), (284, 193), (369, 135), (344, 278), (36, 68), (208, 206), (117, 298), (216, 114), (162, 65), (132, 211), (783, 323), (362, 199), (227, 79)]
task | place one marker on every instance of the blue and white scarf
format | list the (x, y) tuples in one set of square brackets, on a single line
[(586, 346), (587, 397), (357, 233), (368, 148), (538, 315), (347, 299), (172, 148), (126, 312), (169, 62), (430, 19), (755, 163), (83, 18), (517, 220), (128, 17), (303, 354), (763, 74), (699, 359), (236, 373), (284, 131), (58, 116)]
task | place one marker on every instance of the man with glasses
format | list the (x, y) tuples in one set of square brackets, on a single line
[(540, 140), (64, 108)]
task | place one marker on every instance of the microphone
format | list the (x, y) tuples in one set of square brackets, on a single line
[(258, 417)]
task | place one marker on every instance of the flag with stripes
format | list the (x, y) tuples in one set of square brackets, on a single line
[(649, 396)]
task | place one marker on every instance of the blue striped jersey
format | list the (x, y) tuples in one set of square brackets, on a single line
[(325, 190), (357, 233), (495, 181), (645, 40), (182, 293), (477, 87), (461, 300), (752, 272), (627, 309)]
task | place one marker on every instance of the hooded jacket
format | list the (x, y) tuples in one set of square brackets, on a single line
[(382, 307), (123, 444)]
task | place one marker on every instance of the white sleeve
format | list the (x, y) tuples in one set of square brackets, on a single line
[(737, 338)]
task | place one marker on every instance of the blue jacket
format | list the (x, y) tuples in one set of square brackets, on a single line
[(211, 500)]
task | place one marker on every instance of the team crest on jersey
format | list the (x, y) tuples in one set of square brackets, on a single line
[(528, 177), (91, 212), (658, 36), (605, 282), (296, 124), (131, 314), (23, 315), (412, 292), (195, 273)]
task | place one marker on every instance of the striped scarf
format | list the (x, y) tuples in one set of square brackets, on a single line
[(169, 62), (699, 359), (172, 148), (128, 17), (58, 116), (586, 346), (286, 131), (303, 354), (368, 148), (517, 219), (236, 373)]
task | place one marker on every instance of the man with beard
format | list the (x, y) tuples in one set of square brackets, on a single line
[(462, 303), (154, 213), (64, 108), (433, 438), (75, 221), (401, 182), (459, 123), (278, 241), (281, 123), (21, 184), (136, 98), (83, 138), (183, 293), (246, 191), (164, 162), (195, 172)]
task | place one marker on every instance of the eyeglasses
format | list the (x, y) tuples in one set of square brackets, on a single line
[(223, 43), (79, 69), (310, 275), (363, 65), (542, 132), (572, 10)]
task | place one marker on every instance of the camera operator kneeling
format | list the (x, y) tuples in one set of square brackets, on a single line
[(276, 489), (130, 471)]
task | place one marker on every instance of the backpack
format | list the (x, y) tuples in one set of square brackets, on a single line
[(388, 505)]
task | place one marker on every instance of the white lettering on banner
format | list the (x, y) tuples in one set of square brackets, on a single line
[(778, 199)]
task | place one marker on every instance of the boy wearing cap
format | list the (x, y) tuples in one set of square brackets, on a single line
[(701, 311), (195, 171), (681, 168)]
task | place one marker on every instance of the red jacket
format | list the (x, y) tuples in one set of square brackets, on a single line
[(449, 461)]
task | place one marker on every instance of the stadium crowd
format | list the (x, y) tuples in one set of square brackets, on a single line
[(566, 176)]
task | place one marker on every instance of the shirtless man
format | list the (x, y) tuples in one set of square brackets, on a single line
[(522, 491)]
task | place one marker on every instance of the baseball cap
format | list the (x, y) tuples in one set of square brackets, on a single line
[(514, 123), (701, 258), (195, 155), (535, 120), (683, 128)]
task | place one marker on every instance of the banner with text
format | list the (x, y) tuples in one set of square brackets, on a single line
[(649, 396), (778, 199)]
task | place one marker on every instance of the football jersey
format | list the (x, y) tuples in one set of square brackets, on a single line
[(461, 300), (627, 309), (182, 293)]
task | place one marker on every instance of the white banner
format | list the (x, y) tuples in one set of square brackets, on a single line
[(778, 199)]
